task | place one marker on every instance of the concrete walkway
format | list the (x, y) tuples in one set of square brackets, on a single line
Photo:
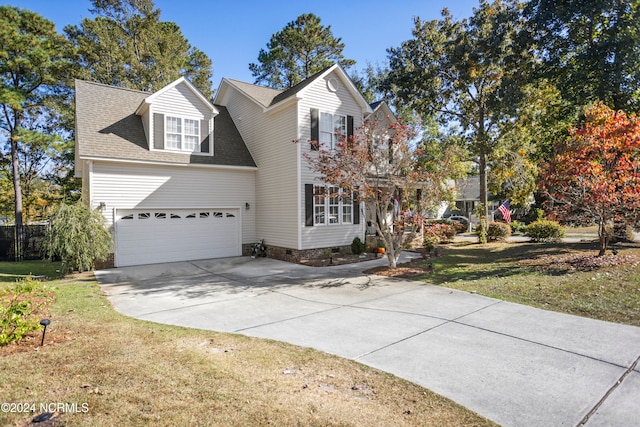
[(514, 364)]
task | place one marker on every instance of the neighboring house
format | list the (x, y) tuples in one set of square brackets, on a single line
[(468, 198), (180, 178)]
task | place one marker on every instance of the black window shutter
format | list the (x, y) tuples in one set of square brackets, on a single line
[(349, 127), (315, 129), (308, 205), (356, 208), (204, 136), (158, 131)]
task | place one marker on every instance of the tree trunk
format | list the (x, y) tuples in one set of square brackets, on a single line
[(392, 259), (603, 237), (17, 191), (484, 196)]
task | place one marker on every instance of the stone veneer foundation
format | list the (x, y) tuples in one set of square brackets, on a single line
[(297, 255)]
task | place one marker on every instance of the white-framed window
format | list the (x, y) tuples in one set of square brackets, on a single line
[(332, 205), (332, 128), (192, 135), (319, 204), (182, 134)]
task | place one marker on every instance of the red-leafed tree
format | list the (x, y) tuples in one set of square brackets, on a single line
[(389, 174), (595, 173)]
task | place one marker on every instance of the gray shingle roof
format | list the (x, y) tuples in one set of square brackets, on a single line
[(268, 97), (107, 127)]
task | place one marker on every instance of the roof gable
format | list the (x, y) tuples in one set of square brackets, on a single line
[(380, 111), (269, 98), (344, 79), (182, 81)]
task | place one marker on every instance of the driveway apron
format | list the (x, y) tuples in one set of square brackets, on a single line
[(514, 364)]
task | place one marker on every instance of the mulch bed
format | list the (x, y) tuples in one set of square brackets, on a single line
[(405, 270)]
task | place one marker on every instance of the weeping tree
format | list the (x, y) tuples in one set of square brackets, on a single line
[(78, 236)]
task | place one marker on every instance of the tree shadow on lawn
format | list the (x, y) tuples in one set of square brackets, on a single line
[(468, 261)]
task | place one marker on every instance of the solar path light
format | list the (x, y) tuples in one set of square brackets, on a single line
[(45, 323)]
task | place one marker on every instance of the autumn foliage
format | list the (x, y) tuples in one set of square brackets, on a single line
[(383, 169), (595, 173)]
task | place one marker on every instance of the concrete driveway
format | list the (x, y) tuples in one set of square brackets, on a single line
[(514, 364)]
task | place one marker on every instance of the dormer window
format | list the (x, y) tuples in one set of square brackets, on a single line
[(182, 134)]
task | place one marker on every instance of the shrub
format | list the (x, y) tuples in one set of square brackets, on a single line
[(544, 230), (498, 231), (517, 227), (459, 226), (357, 247), (79, 237), (18, 306), (430, 241), (443, 230)]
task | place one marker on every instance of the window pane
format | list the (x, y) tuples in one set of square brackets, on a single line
[(191, 127), (340, 125), (326, 131), (346, 214), (319, 201), (173, 137), (326, 124), (334, 206), (191, 135), (191, 143), (173, 141), (346, 201)]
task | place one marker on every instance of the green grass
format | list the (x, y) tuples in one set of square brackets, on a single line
[(530, 274), (12, 271)]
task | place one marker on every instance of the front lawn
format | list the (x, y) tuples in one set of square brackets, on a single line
[(564, 277), (12, 271), (114, 370)]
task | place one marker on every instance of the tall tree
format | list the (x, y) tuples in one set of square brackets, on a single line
[(127, 45), (591, 48), (463, 72), (595, 174), (33, 59), (302, 48)]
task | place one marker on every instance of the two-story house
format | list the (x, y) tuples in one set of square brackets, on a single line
[(178, 177)]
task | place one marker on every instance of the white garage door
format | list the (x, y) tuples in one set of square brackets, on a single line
[(150, 236)]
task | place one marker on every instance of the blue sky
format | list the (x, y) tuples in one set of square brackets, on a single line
[(232, 32)]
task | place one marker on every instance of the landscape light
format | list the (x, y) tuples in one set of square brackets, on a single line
[(45, 323)]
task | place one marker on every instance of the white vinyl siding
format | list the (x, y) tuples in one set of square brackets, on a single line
[(340, 103), (269, 137), (135, 186)]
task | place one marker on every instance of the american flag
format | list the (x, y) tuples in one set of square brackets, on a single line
[(504, 210)]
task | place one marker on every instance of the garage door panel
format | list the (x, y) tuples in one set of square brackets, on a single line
[(165, 235)]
